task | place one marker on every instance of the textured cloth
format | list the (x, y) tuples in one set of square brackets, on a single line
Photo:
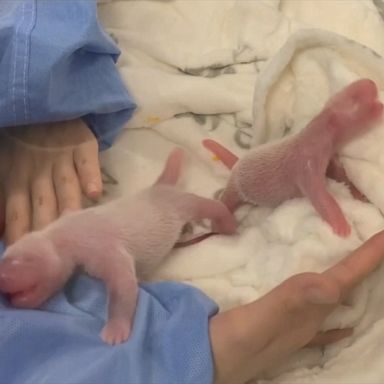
[(61, 343)]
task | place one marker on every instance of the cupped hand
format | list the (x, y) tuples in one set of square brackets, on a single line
[(249, 339), (44, 170)]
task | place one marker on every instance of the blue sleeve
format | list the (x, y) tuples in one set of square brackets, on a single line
[(57, 63), (60, 344)]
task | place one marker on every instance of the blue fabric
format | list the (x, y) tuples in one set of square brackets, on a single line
[(57, 63), (61, 344)]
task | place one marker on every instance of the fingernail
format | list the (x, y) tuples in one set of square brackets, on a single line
[(318, 296), (92, 190), (91, 187)]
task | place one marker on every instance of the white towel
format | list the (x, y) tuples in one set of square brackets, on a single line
[(194, 68)]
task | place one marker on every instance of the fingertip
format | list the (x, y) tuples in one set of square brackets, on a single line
[(207, 142), (93, 190), (343, 231), (89, 173)]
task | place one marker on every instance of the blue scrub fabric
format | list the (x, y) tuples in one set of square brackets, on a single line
[(60, 344), (57, 63)]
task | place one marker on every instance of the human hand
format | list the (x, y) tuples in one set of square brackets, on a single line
[(44, 170), (249, 339)]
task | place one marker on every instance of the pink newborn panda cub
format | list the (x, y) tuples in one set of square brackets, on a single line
[(297, 165), (111, 242)]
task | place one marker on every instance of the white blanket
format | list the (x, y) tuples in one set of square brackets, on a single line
[(246, 72)]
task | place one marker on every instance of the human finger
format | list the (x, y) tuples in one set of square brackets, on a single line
[(86, 158), (17, 209), (66, 184), (43, 199), (250, 338), (354, 268)]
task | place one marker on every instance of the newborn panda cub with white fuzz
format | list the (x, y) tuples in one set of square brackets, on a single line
[(111, 242), (298, 165)]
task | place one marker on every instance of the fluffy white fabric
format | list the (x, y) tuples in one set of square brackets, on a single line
[(243, 73)]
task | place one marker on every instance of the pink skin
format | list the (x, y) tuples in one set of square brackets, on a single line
[(111, 242), (297, 166)]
